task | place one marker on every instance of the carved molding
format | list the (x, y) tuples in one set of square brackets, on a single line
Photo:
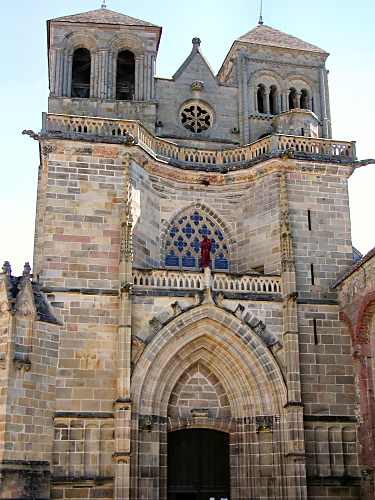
[(4, 308)]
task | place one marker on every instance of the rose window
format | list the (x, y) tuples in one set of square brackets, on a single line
[(184, 239), (196, 117)]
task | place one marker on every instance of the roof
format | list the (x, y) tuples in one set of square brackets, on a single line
[(104, 16), (265, 35), (354, 268), (195, 51), (14, 285)]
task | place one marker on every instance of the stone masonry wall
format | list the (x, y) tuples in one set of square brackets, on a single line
[(327, 246)]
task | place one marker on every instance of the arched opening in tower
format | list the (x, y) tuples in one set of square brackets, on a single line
[(81, 73), (125, 80)]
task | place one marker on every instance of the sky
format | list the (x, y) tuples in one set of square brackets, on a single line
[(342, 27)]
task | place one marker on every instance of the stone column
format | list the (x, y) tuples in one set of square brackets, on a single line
[(94, 77), (328, 105), (123, 350), (147, 76), (298, 100), (153, 69), (286, 101), (102, 77), (69, 73), (294, 431), (139, 78), (252, 100), (243, 98), (324, 104), (57, 71), (266, 101), (113, 75)]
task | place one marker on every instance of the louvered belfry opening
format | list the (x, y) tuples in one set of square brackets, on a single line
[(125, 79), (81, 73)]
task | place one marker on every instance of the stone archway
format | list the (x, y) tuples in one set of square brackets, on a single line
[(210, 348)]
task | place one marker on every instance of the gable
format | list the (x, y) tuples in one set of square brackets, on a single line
[(195, 67)]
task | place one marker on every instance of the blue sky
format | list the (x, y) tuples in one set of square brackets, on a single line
[(342, 27)]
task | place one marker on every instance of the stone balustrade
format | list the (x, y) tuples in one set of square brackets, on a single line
[(270, 146), (220, 282)]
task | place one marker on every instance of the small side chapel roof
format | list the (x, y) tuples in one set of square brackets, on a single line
[(271, 37), (104, 16)]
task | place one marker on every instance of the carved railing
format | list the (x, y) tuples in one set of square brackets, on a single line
[(220, 282), (272, 145), (168, 279)]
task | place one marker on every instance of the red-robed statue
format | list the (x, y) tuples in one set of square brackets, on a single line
[(205, 252)]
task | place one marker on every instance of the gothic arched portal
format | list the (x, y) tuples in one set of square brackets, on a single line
[(208, 370)]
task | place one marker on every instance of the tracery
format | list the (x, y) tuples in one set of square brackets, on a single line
[(183, 242)]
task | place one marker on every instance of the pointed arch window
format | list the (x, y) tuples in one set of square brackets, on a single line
[(81, 73), (125, 78), (182, 245)]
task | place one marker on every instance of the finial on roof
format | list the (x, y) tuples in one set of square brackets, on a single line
[(6, 268), (196, 43), (104, 4), (261, 13)]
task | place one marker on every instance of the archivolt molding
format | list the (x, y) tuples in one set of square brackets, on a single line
[(78, 40), (242, 363), (299, 82), (267, 77), (128, 41)]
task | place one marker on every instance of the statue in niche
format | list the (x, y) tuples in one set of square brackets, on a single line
[(206, 246)]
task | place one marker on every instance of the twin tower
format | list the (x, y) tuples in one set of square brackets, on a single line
[(130, 367), (103, 64)]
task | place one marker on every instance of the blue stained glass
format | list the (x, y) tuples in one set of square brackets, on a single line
[(188, 261), (185, 236), (196, 218), (219, 234), (196, 245), (180, 243), (204, 231), (172, 260), (221, 264), (188, 230)]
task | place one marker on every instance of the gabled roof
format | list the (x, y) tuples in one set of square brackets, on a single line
[(103, 16), (271, 37), (352, 269), (196, 52)]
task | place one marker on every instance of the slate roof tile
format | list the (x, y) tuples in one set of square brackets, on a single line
[(103, 16), (265, 35)]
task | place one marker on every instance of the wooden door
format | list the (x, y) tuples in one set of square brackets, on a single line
[(198, 465)]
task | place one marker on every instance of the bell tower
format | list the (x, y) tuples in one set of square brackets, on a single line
[(102, 63)]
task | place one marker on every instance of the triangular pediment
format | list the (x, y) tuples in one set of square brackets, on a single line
[(196, 67)]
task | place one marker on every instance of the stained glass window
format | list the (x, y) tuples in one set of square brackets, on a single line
[(183, 242)]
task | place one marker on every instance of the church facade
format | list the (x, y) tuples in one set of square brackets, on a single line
[(187, 329)]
